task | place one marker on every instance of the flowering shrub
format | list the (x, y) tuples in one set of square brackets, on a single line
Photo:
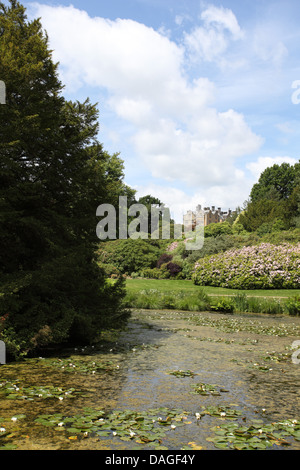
[(264, 266)]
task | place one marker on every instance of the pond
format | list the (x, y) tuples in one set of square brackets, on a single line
[(172, 380)]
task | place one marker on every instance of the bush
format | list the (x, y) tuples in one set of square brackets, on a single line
[(293, 306), (163, 259), (218, 228), (257, 267), (223, 305), (173, 268), (151, 273), (109, 269), (129, 255)]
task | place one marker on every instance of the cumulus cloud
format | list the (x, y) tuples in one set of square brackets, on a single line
[(210, 41), (257, 167), (178, 133), (180, 201)]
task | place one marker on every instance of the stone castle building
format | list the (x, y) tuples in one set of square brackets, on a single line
[(208, 215)]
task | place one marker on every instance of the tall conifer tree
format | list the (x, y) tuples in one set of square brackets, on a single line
[(53, 175)]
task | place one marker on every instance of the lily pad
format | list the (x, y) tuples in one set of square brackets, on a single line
[(144, 427)]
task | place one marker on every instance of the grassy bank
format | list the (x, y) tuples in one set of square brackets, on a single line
[(167, 285), (184, 295)]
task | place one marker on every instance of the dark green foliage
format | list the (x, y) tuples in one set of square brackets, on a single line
[(276, 182), (53, 175), (274, 201), (217, 229), (130, 255), (264, 211)]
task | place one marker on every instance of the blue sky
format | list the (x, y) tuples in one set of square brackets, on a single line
[(195, 95)]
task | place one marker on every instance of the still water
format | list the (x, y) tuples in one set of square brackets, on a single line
[(172, 380)]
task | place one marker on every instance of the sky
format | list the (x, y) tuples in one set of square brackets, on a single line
[(199, 97)]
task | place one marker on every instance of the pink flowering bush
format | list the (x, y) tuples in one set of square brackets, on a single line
[(264, 266)]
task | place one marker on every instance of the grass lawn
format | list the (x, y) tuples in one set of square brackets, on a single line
[(167, 285)]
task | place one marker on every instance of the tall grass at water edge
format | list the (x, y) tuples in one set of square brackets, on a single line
[(200, 301)]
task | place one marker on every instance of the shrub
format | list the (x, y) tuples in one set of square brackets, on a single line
[(173, 268), (109, 269), (151, 273), (293, 306), (129, 255), (264, 266), (218, 228), (223, 305), (163, 259)]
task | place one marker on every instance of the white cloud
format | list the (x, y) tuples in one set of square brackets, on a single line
[(210, 41), (179, 201), (256, 168), (202, 156), (222, 18), (178, 133), (268, 44)]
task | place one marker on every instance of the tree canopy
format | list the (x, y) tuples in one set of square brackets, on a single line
[(53, 175), (274, 200)]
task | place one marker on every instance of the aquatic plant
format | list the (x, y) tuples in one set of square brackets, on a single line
[(15, 391), (144, 427), (255, 436), (207, 389)]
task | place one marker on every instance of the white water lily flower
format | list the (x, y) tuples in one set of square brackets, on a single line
[(61, 424), (60, 398), (197, 415), (173, 426), (114, 433), (14, 418), (222, 413), (131, 433), (2, 429)]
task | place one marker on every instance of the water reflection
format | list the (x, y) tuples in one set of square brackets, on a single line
[(133, 372)]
